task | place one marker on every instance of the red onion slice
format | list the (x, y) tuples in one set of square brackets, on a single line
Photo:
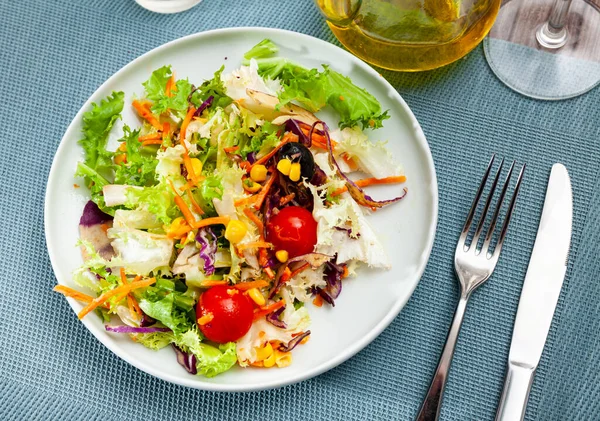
[(132, 329), (294, 342)]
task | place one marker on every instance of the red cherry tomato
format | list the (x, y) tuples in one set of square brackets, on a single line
[(294, 230), (231, 311)]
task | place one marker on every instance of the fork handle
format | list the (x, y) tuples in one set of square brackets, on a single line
[(430, 409)]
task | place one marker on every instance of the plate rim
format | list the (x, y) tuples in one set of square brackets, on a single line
[(356, 346)]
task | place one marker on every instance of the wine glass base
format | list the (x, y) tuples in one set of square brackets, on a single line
[(550, 72)]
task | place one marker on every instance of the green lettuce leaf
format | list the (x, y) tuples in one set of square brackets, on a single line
[(155, 91), (156, 340), (97, 124), (139, 170), (212, 87), (156, 199), (211, 188), (166, 303), (314, 89), (210, 360), (265, 48)]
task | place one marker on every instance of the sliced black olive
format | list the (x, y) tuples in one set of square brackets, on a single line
[(297, 152)]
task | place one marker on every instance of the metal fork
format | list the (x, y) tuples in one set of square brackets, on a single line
[(473, 267)]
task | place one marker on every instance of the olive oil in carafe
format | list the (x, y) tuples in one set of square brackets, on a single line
[(413, 35)]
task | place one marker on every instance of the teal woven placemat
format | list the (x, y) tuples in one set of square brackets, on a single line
[(55, 54)]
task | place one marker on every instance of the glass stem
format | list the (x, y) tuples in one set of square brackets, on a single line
[(553, 34)]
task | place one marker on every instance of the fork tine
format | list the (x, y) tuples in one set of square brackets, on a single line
[(486, 208), (467, 226), (492, 228), (509, 212)]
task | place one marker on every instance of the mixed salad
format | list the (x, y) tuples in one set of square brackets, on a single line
[(213, 223)]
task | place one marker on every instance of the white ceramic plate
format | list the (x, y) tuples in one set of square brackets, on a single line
[(368, 303)]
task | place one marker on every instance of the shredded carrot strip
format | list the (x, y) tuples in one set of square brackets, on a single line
[(287, 138), (131, 307), (245, 165), (245, 200), (195, 204), (300, 269), (255, 245), (143, 111), (245, 286), (152, 142), (151, 136), (224, 220), (345, 273), (170, 86), (73, 293), (317, 138), (268, 309), (183, 207), (318, 301), (269, 272), (187, 161), (256, 220), (207, 318), (231, 149), (287, 199), (351, 163), (286, 275), (209, 283), (260, 197), (262, 257), (184, 126), (372, 181), (109, 294)]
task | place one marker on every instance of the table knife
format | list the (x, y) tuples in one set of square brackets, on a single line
[(543, 282)]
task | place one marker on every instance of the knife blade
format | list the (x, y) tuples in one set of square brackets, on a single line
[(539, 296)]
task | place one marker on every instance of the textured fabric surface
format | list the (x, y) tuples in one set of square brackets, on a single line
[(53, 55)]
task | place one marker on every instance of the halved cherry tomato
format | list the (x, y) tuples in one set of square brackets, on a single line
[(230, 313), (294, 230)]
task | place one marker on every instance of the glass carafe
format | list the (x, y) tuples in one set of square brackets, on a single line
[(410, 35)]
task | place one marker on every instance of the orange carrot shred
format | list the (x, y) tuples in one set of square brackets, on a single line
[(318, 301), (73, 293), (260, 197), (113, 292), (263, 311), (231, 149), (183, 207), (245, 286), (287, 199), (287, 138), (151, 136), (269, 272), (254, 245), (166, 131), (143, 111), (152, 142), (256, 220), (208, 283), (170, 86), (184, 126), (223, 220), (300, 269)]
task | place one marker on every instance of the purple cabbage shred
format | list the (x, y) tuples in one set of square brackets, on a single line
[(132, 329), (186, 359), (208, 249), (294, 342), (273, 318), (92, 215), (204, 106)]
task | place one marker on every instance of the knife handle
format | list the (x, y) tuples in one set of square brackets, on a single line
[(517, 385)]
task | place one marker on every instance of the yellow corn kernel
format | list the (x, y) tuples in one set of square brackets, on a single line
[(282, 359), (120, 159), (235, 231), (282, 255), (123, 147), (258, 173), (284, 165), (264, 352), (190, 238), (250, 186), (196, 166), (269, 361), (295, 171), (257, 296)]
